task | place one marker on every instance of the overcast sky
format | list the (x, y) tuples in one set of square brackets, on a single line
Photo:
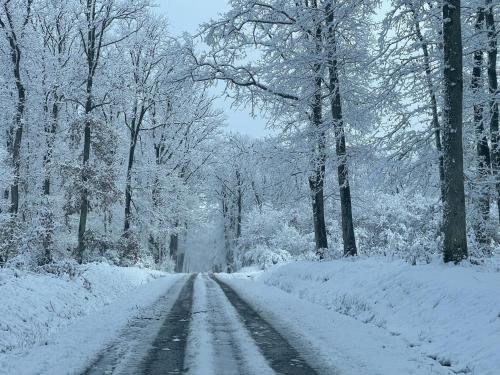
[(185, 16)]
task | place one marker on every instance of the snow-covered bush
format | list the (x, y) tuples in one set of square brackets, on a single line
[(268, 237), (399, 226), (263, 256)]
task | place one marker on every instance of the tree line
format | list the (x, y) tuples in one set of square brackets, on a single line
[(317, 69), (114, 146)]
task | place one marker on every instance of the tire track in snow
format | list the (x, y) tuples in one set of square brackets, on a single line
[(223, 336), (168, 351), (280, 354), (219, 343), (126, 353)]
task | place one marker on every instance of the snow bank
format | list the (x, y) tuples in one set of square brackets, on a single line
[(449, 313), (34, 305)]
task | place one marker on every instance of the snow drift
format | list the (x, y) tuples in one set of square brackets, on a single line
[(449, 313), (33, 305)]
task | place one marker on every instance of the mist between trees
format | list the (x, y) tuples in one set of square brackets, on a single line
[(387, 138)]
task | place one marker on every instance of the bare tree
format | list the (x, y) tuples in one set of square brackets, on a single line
[(493, 89), (13, 30), (482, 146), (99, 18), (340, 140), (454, 226)]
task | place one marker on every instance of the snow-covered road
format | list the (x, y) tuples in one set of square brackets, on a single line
[(200, 326), (208, 325), (217, 325)]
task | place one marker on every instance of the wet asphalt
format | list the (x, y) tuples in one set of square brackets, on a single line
[(169, 348)]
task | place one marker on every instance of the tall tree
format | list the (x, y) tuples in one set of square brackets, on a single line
[(99, 16), (482, 147), (454, 225), (411, 72), (493, 88), (146, 55), (289, 80), (54, 24), (318, 131), (340, 140), (14, 28)]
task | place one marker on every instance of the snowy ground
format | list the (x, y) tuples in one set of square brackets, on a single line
[(219, 343), (345, 317), (387, 314), (53, 324)]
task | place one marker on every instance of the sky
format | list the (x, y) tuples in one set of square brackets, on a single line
[(185, 16)]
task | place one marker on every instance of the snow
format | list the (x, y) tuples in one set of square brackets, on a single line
[(199, 351), (218, 342), (349, 316), (402, 318), (58, 323)]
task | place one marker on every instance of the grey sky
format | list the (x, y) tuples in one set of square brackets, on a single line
[(185, 16)]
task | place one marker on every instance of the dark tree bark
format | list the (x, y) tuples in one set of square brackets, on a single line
[(158, 148), (316, 184), (239, 203), (92, 39), (317, 177), (257, 196), (48, 217), (128, 183), (493, 89), (15, 132), (454, 225), (135, 127), (340, 144), (174, 247), (179, 265), (482, 147), (84, 204), (228, 227), (50, 131)]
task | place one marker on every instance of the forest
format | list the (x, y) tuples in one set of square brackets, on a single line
[(385, 137), (143, 230)]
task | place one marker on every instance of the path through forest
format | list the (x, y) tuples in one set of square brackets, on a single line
[(230, 325), (233, 338)]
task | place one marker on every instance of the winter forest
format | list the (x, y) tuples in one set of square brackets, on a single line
[(382, 148), (113, 148)]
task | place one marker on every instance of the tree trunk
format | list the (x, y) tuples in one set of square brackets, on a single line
[(239, 202), (50, 132), (348, 237), (16, 147), (482, 148), (84, 205), (493, 89), (227, 202), (454, 226), (317, 178), (16, 129), (135, 128), (179, 265), (128, 187), (258, 199), (174, 247), (48, 216)]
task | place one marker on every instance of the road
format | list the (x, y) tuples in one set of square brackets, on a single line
[(202, 326)]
